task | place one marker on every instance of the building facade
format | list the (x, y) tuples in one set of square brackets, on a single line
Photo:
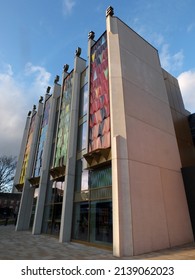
[(101, 157), (9, 206)]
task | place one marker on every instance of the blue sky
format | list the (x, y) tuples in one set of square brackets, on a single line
[(38, 37)]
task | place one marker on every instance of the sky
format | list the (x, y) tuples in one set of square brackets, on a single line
[(38, 37)]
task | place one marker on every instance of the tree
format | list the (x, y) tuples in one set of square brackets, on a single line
[(7, 171)]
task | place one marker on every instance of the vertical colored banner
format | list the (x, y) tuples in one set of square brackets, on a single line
[(42, 138), (64, 123), (27, 150), (99, 108)]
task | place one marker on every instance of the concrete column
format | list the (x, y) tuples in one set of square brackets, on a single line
[(23, 221), (122, 217), (47, 151), (21, 154), (67, 207)]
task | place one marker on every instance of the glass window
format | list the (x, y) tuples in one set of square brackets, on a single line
[(64, 123), (81, 180), (84, 180), (82, 137), (42, 139), (92, 222), (53, 208), (80, 221), (100, 177), (101, 222), (83, 101), (27, 150), (99, 95), (84, 77)]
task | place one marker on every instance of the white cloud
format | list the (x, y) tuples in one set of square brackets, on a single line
[(41, 76), (187, 85), (190, 27), (67, 6), (177, 60), (159, 39), (17, 98), (170, 62), (11, 117)]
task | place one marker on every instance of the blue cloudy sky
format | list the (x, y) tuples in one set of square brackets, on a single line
[(38, 37)]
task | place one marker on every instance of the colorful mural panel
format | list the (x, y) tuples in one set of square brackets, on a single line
[(64, 122), (43, 132), (27, 150), (99, 125)]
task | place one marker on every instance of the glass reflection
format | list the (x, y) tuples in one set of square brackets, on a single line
[(36, 193), (92, 222), (53, 209), (82, 136), (83, 101), (84, 180), (64, 123), (80, 221), (81, 178), (42, 139), (27, 150), (92, 213), (99, 125)]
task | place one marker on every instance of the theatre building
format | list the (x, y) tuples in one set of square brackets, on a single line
[(102, 156)]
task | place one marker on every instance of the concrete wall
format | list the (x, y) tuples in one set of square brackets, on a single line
[(180, 119), (153, 213), (189, 182)]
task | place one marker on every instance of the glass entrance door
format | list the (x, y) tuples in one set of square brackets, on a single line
[(81, 221), (103, 228), (92, 222), (53, 209)]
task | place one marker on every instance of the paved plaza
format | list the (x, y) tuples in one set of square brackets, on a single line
[(23, 245)]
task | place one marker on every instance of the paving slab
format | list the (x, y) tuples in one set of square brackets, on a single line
[(23, 245)]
